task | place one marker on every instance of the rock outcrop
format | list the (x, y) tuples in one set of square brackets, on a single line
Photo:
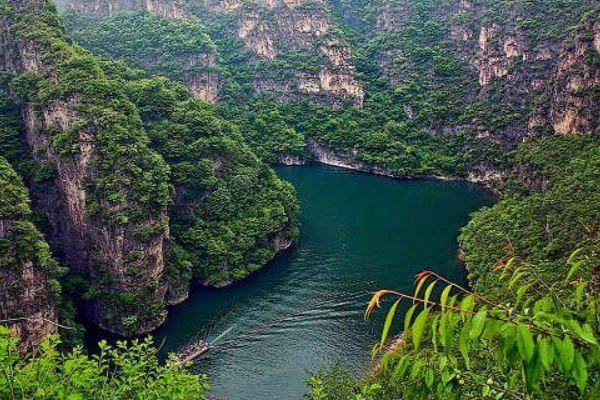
[(27, 285), (279, 35), (325, 155), (575, 89), (102, 8), (96, 201), (297, 29), (97, 25), (531, 78)]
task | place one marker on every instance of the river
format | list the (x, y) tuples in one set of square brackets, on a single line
[(304, 311)]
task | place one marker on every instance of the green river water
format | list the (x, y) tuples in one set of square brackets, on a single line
[(304, 311)]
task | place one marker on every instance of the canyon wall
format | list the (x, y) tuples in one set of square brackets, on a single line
[(534, 77), (294, 51), (28, 287), (97, 202), (101, 8), (197, 67)]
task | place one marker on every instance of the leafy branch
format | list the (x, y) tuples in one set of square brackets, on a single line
[(539, 335)]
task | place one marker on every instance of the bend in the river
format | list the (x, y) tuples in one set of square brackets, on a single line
[(304, 311)]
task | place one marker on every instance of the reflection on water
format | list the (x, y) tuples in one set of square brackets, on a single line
[(304, 311)]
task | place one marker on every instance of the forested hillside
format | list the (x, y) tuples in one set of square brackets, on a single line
[(145, 190), (449, 86), (148, 181)]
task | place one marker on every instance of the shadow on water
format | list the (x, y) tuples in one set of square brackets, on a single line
[(304, 311)]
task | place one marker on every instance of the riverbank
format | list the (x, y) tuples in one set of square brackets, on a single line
[(323, 154)]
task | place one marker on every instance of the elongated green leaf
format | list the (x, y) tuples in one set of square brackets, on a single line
[(401, 367), (467, 303), (463, 343), (566, 353), (492, 328), (574, 268), (587, 334), (408, 317), (429, 377), (546, 352), (444, 297), (525, 342), (515, 278), (428, 292), (420, 284), (419, 327), (434, 332), (573, 255), (520, 292), (533, 371), (416, 369), (388, 323), (580, 373), (478, 324)]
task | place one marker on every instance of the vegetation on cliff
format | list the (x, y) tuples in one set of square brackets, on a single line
[(231, 214), (28, 271), (463, 88), (135, 149), (160, 45), (551, 206)]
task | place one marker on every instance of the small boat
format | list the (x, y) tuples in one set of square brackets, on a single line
[(191, 352)]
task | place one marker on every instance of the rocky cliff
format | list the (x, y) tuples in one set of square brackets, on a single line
[(291, 48), (28, 286), (533, 77), (294, 44), (100, 8), (104, 199)]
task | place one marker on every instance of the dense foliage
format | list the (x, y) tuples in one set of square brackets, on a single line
[(522, 331), (424, 110), (231, 211), (552, 206), (152, 149), (127, 371), (160, 45), (21, 242), (131, 178)]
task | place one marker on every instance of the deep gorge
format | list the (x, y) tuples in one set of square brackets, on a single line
[(138, 149)]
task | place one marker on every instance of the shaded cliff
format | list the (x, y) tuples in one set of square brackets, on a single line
[(28, 272), (231, 212), (106, 186)]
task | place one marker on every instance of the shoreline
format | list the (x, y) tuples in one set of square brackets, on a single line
[(325, 155)]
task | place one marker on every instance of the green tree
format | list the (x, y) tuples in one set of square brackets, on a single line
[(123, 372)]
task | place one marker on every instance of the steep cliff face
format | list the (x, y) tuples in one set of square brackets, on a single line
[(101, 202), (28, 286), (533, 76), (300, 34), (545, 76), (575, 89), (100, 8), (201, 76), (290, 48)]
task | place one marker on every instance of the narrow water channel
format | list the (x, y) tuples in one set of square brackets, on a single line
[(304, 311)]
